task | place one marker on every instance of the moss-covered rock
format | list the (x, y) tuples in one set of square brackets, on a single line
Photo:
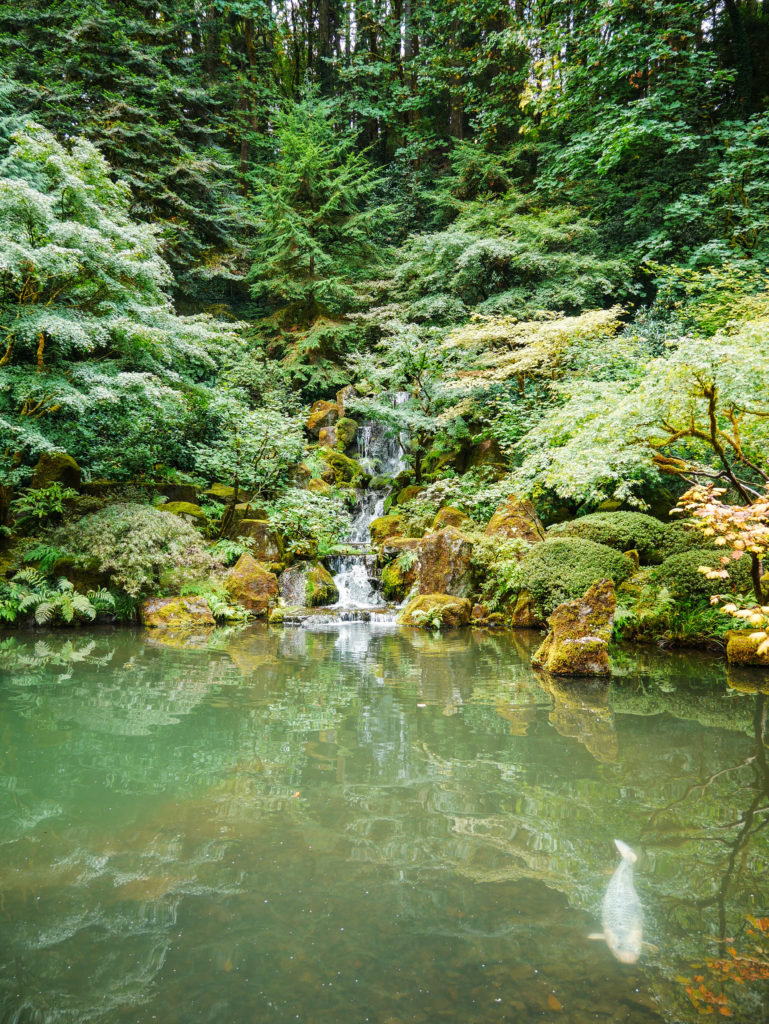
[(392, 547), (102, 488), (300, 475), (267, 544), (225, 494), (327, 437), (56, 468), (561, 569), (623, 531), (449, 516), (578, 638), (83, 576), (516, 520), (176, 613), (192, 513), (436, 611), (446, 563), (251, 585), (385, 527), (437, 461), (681, 576), (308, 585), (488, 455), (322, 414), (344, 397), (524, 612), (408, 494), (397, 579), (345, 470), (319, 487), (346, 432), (742, 648), (179, 492)]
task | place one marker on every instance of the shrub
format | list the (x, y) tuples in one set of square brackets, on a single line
[(680, 574), (680, 537), (136, 545), (559, 570), (622, 531)]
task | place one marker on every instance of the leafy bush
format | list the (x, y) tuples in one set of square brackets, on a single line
[(35, 507), (680, 574), (495, 566), (680, 537), (623, 531), (305, 515), (138, 545), (560, 570)]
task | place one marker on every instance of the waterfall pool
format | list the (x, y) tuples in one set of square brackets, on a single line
[(372, 824)]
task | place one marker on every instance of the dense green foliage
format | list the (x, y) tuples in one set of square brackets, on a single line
[(533, 238)]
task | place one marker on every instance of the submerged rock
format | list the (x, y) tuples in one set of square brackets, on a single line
[(175, 613), (577, 643), (436, 611), (445, 563), (516, 520), (307, 585), (249, 584), (56, 468)]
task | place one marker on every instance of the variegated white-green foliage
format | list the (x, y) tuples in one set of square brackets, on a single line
[(86, 322), (599, 443)]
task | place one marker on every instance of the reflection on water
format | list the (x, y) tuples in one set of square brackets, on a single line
[(367, 824)]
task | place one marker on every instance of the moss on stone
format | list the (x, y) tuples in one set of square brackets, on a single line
[(397, 581), (56, 468), (385, 527), (742, 649), (578, 638), (249, 584), (176, 613), (346, 431), (408, 494), (322, 414), (561, 569), (517, 519), (623, 531), (436, 611), (449, 516), (446, 563), (345, 470), (307, 585), (192, 513)]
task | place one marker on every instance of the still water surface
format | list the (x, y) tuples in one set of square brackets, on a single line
[(370, 825)]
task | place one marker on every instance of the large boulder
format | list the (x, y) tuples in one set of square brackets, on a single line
[(436, 611), (175, 613), (524, 612), (449, 516), (487, 454), (516, 520), (249, 584), (408, 493), (327, 437), (267, 544), (308, 585), (343, 397), (346, 432), (384, 527), (399, 577), (445, 563), (322, 414), (580, 630), (235, 514), (393, 546), (225, 494), (186, 510), (344, 469), (56, 468)]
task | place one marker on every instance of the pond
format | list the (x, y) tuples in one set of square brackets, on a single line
[(372, 824)]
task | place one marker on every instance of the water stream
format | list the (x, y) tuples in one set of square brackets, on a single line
[(380, 451)]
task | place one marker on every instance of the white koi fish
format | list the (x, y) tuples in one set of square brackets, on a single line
[(622, 914)]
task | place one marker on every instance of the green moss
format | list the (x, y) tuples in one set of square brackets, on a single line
[(345, 470), (623, 531), (346, 429), (384, 527), (681, 576), (397, 581), (561, 569)]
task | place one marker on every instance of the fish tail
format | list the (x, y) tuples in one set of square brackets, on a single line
[(625, 852)]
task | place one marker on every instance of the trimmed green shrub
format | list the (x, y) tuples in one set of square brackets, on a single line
[(680, 574), (559, 570), (623, 531), (680, 537)]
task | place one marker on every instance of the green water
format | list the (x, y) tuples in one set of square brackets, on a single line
[(368, 825)]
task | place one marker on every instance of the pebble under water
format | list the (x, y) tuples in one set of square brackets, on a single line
[(371, 824)]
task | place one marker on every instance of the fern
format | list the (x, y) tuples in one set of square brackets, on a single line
[(46, 555)]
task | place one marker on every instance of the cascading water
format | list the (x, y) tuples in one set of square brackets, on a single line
[(380, 452)]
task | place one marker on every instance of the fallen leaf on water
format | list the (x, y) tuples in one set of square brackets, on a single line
[(553, 1003), (295, 795)]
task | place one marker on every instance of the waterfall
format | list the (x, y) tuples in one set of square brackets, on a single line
[(380, 453)]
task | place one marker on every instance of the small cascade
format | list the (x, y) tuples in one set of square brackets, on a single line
[(380, 454)]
